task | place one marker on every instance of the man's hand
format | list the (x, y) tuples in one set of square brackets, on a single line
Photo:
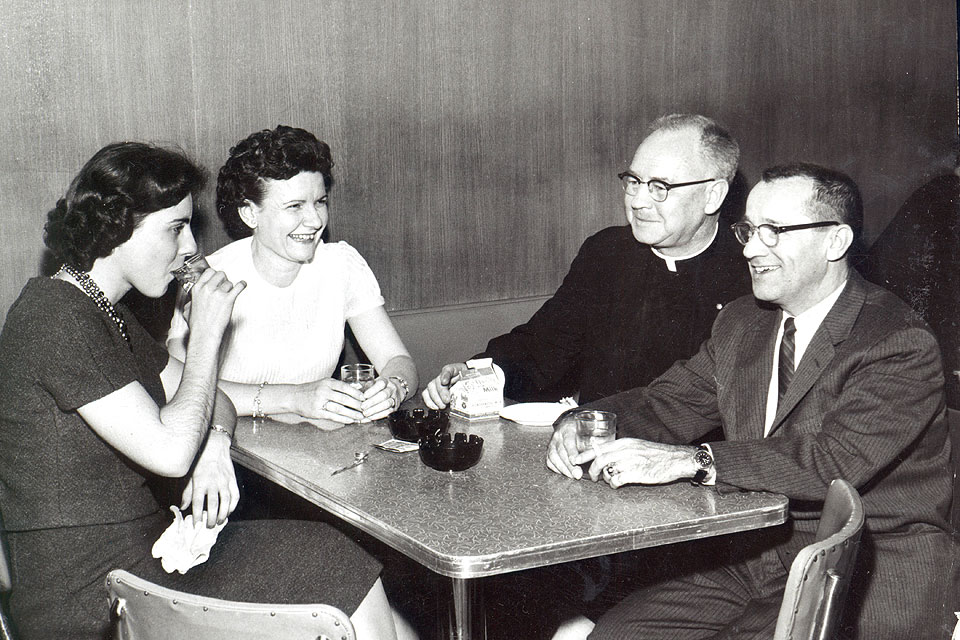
[(213, 481), (634, 461), (563, 447), (437, 393)]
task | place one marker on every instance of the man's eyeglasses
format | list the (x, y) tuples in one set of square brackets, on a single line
[(659, 190), (770, 233)]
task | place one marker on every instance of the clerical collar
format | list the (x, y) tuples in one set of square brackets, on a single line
[(672, 261)]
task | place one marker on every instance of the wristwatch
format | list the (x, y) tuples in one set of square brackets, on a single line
[(704, 462)]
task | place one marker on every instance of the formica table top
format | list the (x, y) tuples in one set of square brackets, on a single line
[(509, 512)]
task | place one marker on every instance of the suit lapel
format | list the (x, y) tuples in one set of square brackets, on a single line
[(834, 329)]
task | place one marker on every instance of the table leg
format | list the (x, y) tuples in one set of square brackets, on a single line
[(466, 617)]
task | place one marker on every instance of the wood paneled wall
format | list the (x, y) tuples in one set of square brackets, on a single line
[(476, 142)]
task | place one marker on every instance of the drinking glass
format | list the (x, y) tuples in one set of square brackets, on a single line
[(358, 376), (189, 273), (594, 428)]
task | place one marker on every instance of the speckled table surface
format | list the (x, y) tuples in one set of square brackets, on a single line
[(509, 512)]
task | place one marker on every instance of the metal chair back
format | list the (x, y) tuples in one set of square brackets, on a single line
[(6, 584), (820, 574), (142, 610), (953, 420)]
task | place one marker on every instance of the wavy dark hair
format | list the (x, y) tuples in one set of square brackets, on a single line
[(277, 154), (115, 190)]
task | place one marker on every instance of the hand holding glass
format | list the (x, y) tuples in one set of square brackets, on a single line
[(189, 273), (594, 428)]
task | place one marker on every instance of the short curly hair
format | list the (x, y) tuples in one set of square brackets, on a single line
[(277, 154), (113, 192)]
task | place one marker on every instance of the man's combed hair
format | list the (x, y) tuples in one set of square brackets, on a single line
[(835, 195), (274, 154), (717, 142), (116, 189)]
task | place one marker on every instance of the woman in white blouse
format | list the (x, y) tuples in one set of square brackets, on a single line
[(287, 329)]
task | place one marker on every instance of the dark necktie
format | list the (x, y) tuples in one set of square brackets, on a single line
[(785, 373)]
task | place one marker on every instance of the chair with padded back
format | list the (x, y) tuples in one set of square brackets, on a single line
[(820, 574), (953, 419), (142, 610), (6, 584)]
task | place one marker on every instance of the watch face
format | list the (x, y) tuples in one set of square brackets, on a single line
[(703, 459)]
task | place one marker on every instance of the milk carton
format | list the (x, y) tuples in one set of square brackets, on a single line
[(479, 392)]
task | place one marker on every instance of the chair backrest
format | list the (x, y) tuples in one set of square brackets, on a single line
[(142, 610), (820, 574), (6, 584), (953, 420)]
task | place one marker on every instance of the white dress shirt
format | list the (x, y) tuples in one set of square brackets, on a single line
[(807, 324)]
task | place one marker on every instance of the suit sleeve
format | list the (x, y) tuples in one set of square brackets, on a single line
[(537, 355), (677, 408), (865, 414)]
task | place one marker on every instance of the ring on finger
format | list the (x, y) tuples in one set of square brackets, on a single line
[(326, 406), (393, 402), (611, 469)]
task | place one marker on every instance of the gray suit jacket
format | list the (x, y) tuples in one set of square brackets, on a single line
[(866, 404)]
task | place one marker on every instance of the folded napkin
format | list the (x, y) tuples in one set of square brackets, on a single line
[(185, 543)]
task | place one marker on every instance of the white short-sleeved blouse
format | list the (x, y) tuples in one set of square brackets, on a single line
[(289, 334)]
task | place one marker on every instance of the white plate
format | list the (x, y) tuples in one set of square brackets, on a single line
[(535, 414)]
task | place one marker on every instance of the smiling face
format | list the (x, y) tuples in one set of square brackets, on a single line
[(806, 265), (683, 223), (288, 223), (157, 247)]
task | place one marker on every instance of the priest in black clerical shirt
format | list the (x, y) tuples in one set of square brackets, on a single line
[(637, 297)]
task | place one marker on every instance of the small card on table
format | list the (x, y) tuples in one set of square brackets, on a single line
[(397, 446)]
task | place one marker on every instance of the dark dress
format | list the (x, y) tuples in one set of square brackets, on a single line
[(74, 507)]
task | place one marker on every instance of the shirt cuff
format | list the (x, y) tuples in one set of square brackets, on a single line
[(711, 478)]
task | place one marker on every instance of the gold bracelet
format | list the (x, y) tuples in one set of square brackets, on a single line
[(257, 407), (403, 385)]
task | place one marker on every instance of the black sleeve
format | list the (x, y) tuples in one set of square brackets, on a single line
[(542, 355)]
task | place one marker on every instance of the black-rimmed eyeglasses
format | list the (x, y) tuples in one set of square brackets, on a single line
[(770, 233), (659, 190)]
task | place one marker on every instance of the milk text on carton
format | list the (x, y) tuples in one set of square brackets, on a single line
[(479, 392)]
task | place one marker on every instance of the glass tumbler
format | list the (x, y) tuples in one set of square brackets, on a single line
[(594, 428)]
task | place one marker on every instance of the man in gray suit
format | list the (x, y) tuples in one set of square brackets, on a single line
[(818, 375)]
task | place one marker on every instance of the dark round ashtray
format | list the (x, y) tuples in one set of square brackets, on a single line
[(413, 424), (445, 453)]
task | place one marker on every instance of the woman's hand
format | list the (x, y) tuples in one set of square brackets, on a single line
[(213, 482), (211, 302), (383, 397), (330, 399)]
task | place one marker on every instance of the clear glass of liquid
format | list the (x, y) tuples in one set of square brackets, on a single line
[(594, 428), (189, 273), (358, 376)]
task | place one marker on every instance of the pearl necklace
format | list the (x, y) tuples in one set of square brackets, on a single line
[(94, 292)]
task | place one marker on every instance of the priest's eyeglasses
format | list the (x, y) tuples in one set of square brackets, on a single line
[(770, 233), (659, 190)]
